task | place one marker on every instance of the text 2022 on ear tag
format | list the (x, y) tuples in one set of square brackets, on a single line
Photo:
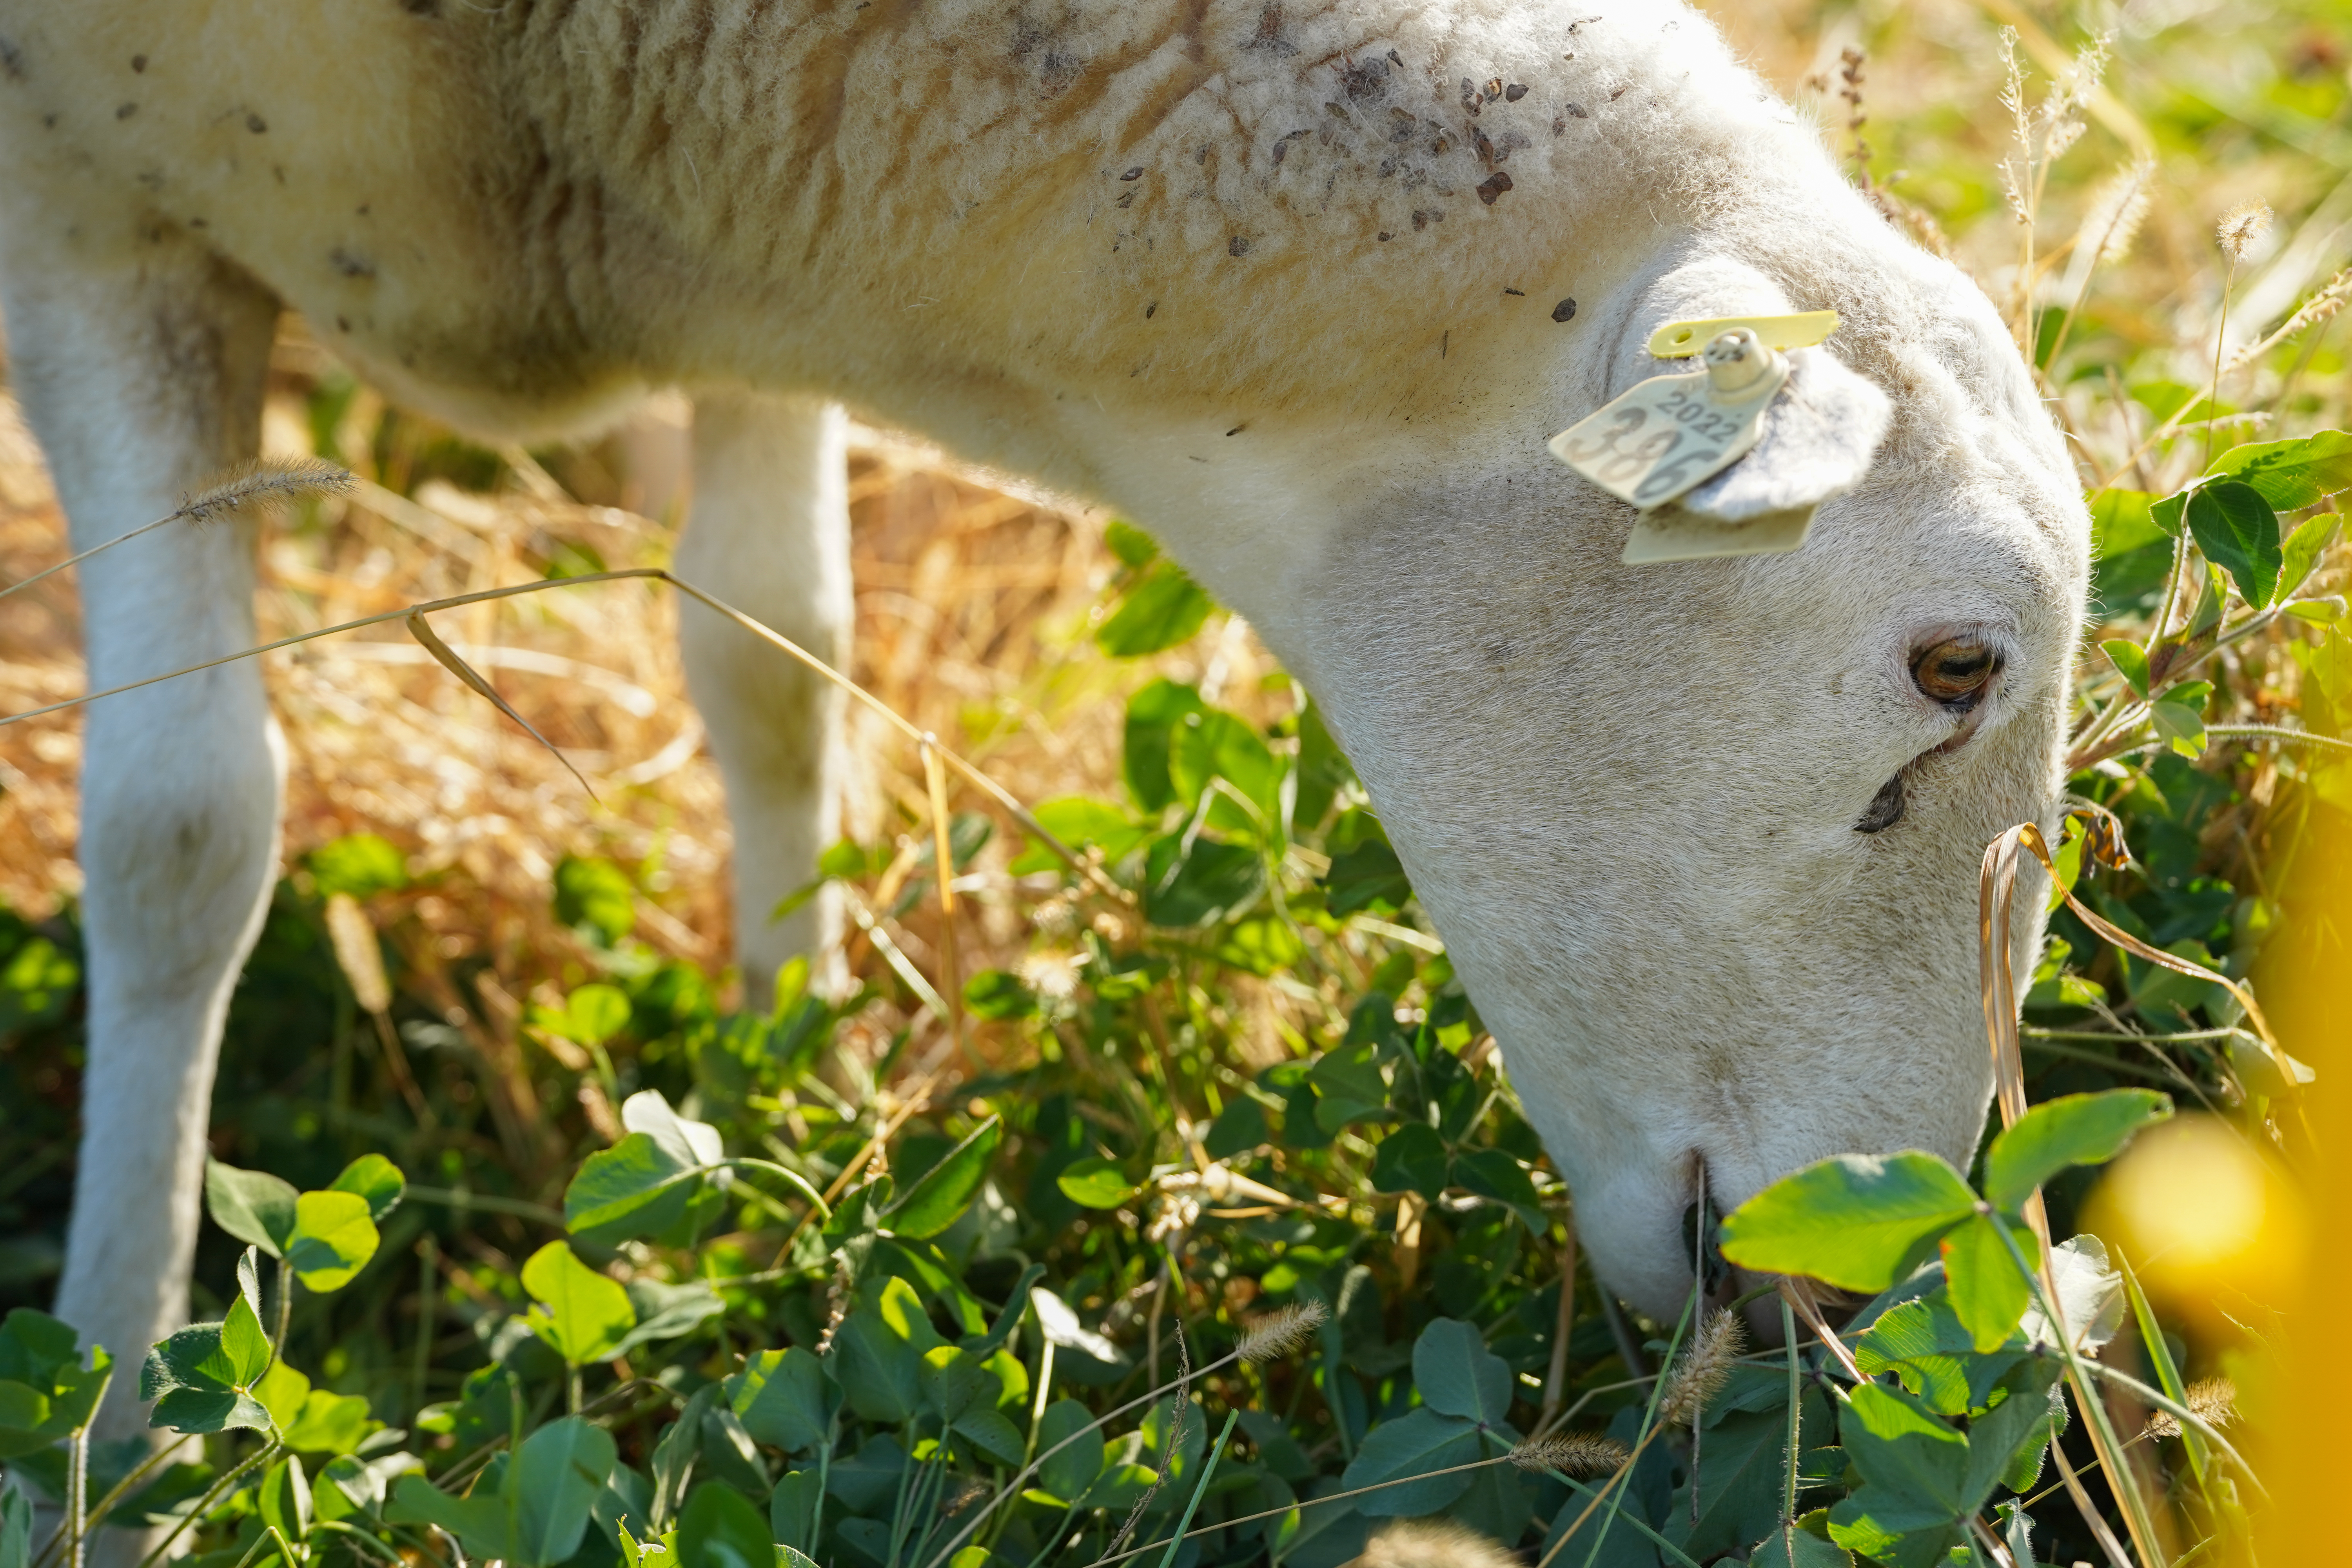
[(1671, 433)]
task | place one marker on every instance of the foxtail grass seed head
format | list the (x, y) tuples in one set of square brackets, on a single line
[(2242, 228), (1700, 1375), (1281, 1331), (266, 482), (1572, 1454), (2213, 1400), (356, 952), (2116, 209)]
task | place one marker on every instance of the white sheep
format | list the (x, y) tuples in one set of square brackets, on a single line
[(1306, 290)]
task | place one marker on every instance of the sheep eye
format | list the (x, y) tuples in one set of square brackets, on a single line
[(1956, 671)]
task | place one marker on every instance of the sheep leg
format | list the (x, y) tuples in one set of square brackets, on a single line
[(769, 534)]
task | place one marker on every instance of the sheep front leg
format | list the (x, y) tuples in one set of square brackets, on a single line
[(769, 534), (140, 358)]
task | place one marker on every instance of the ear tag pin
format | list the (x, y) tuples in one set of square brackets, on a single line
[(1671, 433)]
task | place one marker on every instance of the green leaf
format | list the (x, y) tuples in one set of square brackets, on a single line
[(1322, 769), (946, 1190), (1151, 716), (2167, 515), (999, 995), (783, 1398), (1410, 1160), (594, 1013), (1348, 1085), (1922, 1342), (202, 1377), (2130, 659), (16, 1527), (1070, 1472), (252, 1205), (377, 1180), (1367, 876), (551, 1485), (1214, 743), (2179, 716), (646, 1183), (1413, 1444), (362, 864), (1988, 1293), (1130, 543), (1793, 1546), (1077, 821), (1239, 1128), (1914, 1470), (1095, 1184), (2301, 551), (2239, 533), (581, 1314), (480, 1522), (281, 1391), (1496, 1173), (597, 896), (720, 1528), (1163, 608), (1856, 1221), (333, 1239), (1189, 885), (283, 1499), (793, 1514), (2073, 1130), (46, 1393), (329, 1422), (2293, 474), (1458, 1375), (877, 1354), (244, 1345)]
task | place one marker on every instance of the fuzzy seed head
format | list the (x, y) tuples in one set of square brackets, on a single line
[(1700, 1375), (1572, 1454), (2240, 227), (265, 483), (2213, 1400), (1281, 1331)]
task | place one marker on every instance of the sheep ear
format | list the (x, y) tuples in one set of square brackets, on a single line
[(1819, 435), (1818, 438)]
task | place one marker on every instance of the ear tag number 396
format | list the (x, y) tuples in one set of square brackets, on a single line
[(1673, 433)]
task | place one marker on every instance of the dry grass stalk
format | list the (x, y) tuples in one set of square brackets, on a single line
[(1705, 1367)]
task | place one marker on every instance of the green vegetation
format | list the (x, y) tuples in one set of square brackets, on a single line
[(1205, 1231)]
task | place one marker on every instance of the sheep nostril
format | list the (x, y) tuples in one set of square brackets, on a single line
[(1885, 808)]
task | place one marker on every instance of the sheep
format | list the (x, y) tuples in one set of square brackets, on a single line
[(1306, 290)]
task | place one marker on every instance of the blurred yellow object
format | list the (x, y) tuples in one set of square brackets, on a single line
[(2214, 1227), (2297, 1433)]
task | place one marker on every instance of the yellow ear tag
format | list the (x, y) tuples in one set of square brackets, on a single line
[(1679, 340), (1671, 433)]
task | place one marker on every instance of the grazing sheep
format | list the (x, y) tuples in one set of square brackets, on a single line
[(1304, 289)]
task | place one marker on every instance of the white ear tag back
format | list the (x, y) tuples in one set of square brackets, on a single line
[(1673, 433)]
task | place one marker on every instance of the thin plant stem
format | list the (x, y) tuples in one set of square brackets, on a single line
[(2094, 1411), (1199, 1487), (121, 1489), (1610, 1489), (1796, 1427), (213, 1495), (77, 1495), (285, 1307)]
